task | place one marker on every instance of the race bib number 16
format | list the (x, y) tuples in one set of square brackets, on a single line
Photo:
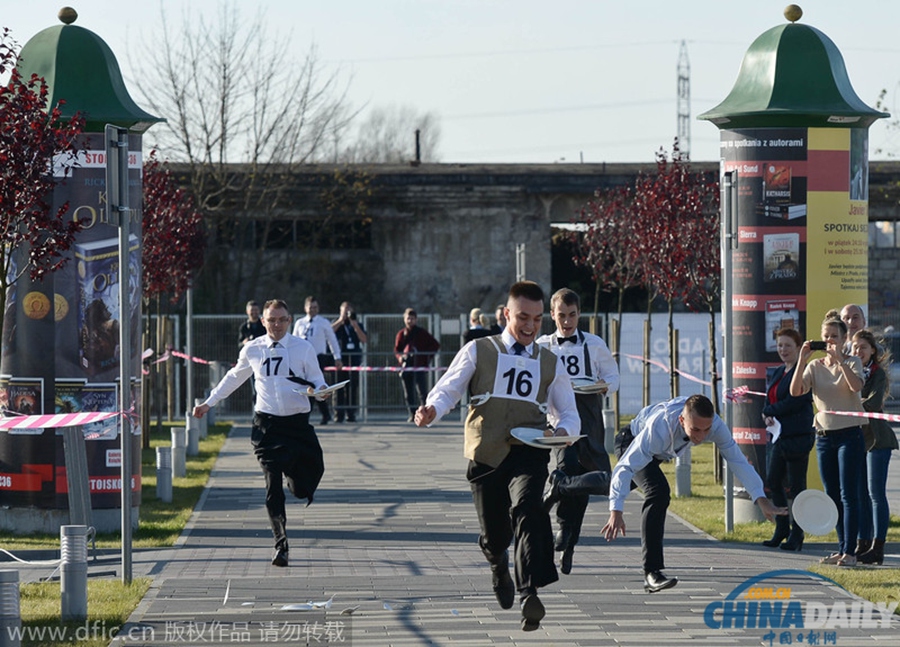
[(518, 378)]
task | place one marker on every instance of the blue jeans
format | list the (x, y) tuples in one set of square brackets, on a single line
[(841, 459), (873, 495)]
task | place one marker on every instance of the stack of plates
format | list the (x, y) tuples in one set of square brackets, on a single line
[(536, 438), (584, 385)]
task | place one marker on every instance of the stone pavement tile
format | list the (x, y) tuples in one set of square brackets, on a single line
[(392, 536)]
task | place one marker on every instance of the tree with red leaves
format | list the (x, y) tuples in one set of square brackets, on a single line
[(33, 139), (661, 234), (173, 238), (679, 211), (606, 246)]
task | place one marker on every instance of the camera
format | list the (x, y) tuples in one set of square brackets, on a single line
[(817, 345), (353, 315)]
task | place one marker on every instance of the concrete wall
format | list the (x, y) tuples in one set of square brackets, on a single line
[(443, 237)]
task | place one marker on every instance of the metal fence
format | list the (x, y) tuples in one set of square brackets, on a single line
[(215, 340)]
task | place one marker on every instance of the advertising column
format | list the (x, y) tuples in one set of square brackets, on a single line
[(802, 235)]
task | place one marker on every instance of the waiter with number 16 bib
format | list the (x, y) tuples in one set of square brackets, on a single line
[(511, 382)]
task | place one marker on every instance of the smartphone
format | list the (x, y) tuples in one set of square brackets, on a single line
[(817, 345)]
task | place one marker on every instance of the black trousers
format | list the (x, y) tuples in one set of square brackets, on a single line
[(508, 501), (572, 507), (587, 455), (324, 361), (790, 458), (286, 447), (347, 398), (653, 514), (413, 382)]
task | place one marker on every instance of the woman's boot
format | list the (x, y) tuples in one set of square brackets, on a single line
[(782, 530), (863, 545), (795, 539), (875, 555)]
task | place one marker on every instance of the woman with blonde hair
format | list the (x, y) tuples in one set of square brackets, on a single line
[(880, 440), (835, 382)]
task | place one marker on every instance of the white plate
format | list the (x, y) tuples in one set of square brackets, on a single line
[(584, 385), (815, 512), (536, 438), (330, 389)]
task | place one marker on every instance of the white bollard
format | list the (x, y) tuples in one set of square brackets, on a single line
[(10, 615), (179, 449), (611, 428), (193, 436), (164, 474), (683, 474), (73, 572), (205, 421)]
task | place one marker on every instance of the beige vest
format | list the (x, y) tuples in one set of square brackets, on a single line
[(487, 426)]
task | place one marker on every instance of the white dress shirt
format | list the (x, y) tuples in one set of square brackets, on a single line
[(318, 332), (271, 363), (562, 411), (658, 434), (602, 365)]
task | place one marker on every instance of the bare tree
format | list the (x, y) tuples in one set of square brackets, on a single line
[(232, 94), (388, 134)]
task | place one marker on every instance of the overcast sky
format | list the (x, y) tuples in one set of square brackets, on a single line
[(529, 81)]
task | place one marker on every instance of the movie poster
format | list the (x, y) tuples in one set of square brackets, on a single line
[(60, 340)]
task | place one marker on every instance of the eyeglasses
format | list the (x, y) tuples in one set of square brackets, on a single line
[(280, 320)]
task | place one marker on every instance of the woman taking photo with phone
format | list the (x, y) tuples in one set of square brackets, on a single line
[(835, 382)]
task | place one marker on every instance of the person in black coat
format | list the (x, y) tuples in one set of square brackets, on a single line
[(791, 448)]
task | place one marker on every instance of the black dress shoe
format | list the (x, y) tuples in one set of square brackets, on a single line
[(324, 421), (532, 612), (655, 581), (503, 585), (551, 496), (565, 560), (281, 557), (563, 537)]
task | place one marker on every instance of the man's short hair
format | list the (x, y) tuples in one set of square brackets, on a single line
[(272, 304), (565, 296), (790, 332), (251, 302), (699, 405), (410, 311), (309, 300), (527, 290)]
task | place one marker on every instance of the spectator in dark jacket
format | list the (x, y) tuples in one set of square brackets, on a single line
[(414, 348), (791, 448)]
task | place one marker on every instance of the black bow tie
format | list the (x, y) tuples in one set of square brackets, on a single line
[(573, 339)]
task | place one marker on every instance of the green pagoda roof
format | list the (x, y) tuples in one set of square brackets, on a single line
[(793, 75), (80, 68)]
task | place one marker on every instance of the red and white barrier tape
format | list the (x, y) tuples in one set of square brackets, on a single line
[(867, 414), (391, 369), (683, 374), (739, 394), (196, 360), (55, 420)]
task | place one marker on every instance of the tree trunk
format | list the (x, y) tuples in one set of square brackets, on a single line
[(673, 355)]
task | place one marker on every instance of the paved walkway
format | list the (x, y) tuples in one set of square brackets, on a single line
[(391, 541)]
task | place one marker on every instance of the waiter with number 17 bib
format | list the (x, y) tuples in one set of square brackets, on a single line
[(511, 382)]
